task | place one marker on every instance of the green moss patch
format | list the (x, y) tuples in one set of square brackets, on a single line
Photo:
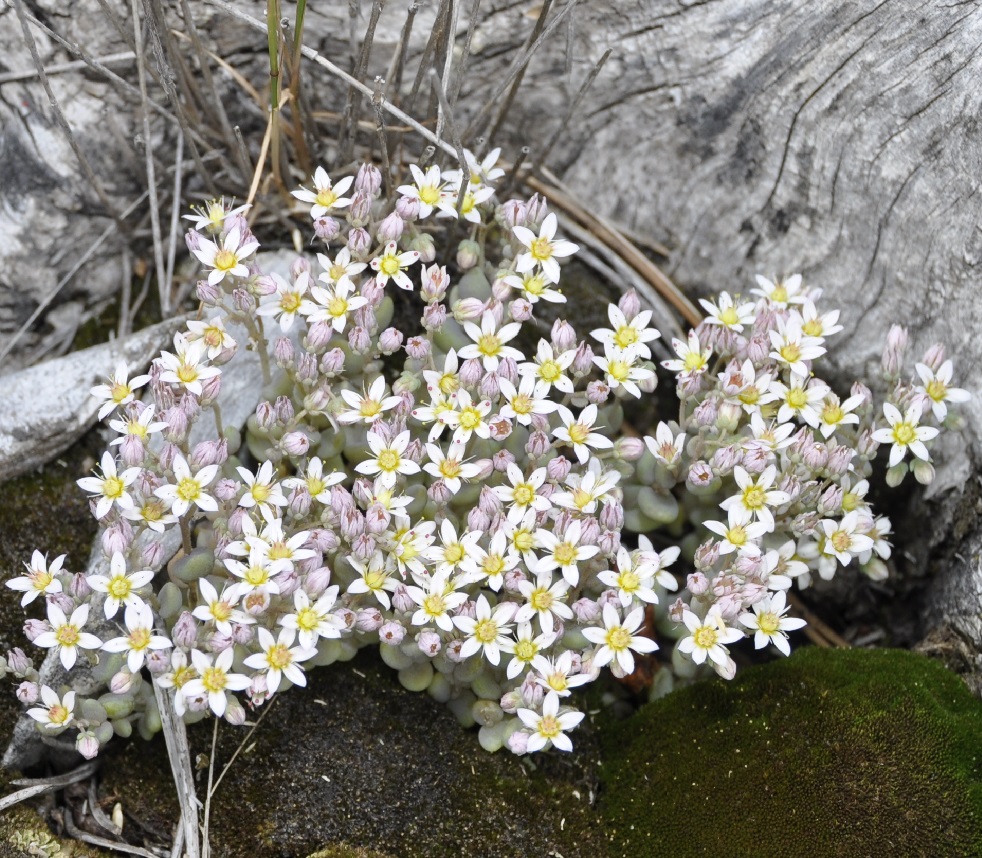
[(828, 753)]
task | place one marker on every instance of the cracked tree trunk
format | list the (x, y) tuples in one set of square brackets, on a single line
[(839, 139)]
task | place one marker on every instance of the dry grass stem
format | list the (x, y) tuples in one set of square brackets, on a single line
[(75, 832), (158, 244), (428, 49), (346, 143), (60, 68), (465, 53)]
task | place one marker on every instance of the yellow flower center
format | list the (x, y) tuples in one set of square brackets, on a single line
[(326, 197), (521, 404), (797, 398), (119, 587), (453, 553), (525, 650), (618, 638), (307, 619), (188, 489), (903, 434), (705, 637), (488, 345), (256, 575), (470, 418), (937, 390), (370, 408), (40, 580), (578, 433), (565, 554), (225, 260), (280, 551), (849, 501), (182, 675), (448, 384), (315, 486), (67, 635), (813, 328), (791, 352), (493, 565), (375, 578), (541, 599), (524, 494), (769, 623), (450, 468), (541, 249), (389, 265), (523, 540), (558, 681), (534, 285), (841, 540), (337, 307), (187, 373), (139, 639), (629, 581), (214, 679), (119, 392), (694, 361), (729, 317), (620, 370), (626, 335), (581, 498), (549, 727), (434, 605), (429, 195), (550, 371), (278, 656), (754, 497), (59, 714), (737, 535), (221, 611), (260, 492), (749, 395), (290, 302), (113, 487), (832, 414), (388, 460), (779, 295), (486, 631)]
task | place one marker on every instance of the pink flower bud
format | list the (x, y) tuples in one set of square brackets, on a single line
[(243, 301), (391, 633), (468, 309), (369, 620), (368, 180), (256, 603), (471, 372), (510, 702), (558, 469), (295, 443), (609, 543), (124, 682), (629, 304), (18, 662), (585, 611), (840, 458), (675, 610), (185, 632), (283, 409), (33, 628), (132, 451), (537, 445), (725, 459), (318, 581), (78, 587), (326, 228), (207, 293), (754, 459), (87, 744), (390, 341), (152, 555), (520, 310), (532, 691), (628, 449), (468, 254), (597, 392), (700, 475), (359, 340), (706, 412), (583, 360), (360, 209), (830, 501), (235, 713), (359, 242), (612, 514), (706, 555), (816, 456), (563, 336), (512, 213), (63, 601), (391, 228), (117, 537), (501, 460), (477, 520), (489, 502), (28, 692), (697, 583), (429, 643), (407, 208), (536, 210), (609, 597), (439, 492), (363, 546), (424, 246), (258, 690)]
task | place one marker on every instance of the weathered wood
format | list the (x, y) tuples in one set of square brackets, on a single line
[(840, 139)]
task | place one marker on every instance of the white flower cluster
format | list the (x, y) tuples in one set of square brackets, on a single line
[(455, 494)]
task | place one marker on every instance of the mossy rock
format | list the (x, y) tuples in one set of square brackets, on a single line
[(828, 753)]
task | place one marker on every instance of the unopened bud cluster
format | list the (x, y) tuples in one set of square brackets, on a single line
[(455, 490)]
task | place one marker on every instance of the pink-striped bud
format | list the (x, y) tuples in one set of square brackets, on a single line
[(359, 242), (391, 633), (28, 692), (429, 643), (391, 228), (407, 208), (563, 336), (368, 180), (326, 228), (390, 341)]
